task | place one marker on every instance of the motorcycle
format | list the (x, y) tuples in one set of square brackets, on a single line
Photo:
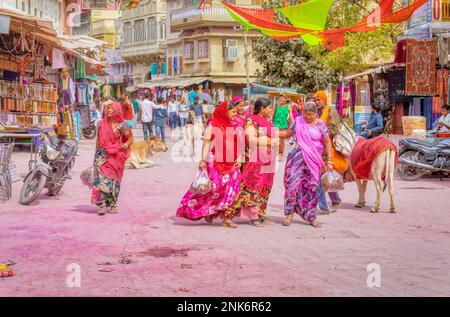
[(52, 168), (418, 157), (91, 132)]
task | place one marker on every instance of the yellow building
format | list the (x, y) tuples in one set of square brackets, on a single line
[(207, 44), (104, 26)]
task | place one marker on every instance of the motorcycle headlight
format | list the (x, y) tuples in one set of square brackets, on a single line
[(52, 154)]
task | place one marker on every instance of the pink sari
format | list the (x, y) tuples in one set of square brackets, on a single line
[(310, 140), (259, 172)]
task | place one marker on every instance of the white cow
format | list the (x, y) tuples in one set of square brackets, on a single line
[(383, 166)]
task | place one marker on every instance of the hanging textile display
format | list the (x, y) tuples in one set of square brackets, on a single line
[(420, 67), (443, 51), (308, 20)]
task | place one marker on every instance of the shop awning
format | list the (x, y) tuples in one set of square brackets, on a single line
[(376, 70), (268, 88), (229, 80), (41, 29), (174, 82), (80, 42)]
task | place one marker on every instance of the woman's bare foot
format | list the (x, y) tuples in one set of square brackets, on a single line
[(227, 223), (113, 210), (315, 224), (102, 211), (287, 221), (209, 219), (266, 221)]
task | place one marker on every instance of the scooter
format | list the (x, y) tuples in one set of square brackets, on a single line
[(51, 170), (91, 132), (418, 157)]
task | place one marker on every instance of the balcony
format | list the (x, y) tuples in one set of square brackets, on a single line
[(191, 16), (143, 48)]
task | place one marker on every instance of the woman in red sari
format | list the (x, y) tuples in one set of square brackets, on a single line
[(259, 171), (113, 149), (221, 161)]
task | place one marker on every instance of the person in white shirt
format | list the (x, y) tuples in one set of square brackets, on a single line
[(443, 124), (183, 110), (173, 113), (146, 116)]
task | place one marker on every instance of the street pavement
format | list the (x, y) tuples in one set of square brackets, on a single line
[(145, 250)]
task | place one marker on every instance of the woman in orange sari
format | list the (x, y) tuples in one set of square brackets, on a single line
[(340, 162)]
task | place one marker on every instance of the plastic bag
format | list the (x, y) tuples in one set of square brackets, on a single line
[(332, 182), (201, 184), (87, 177)]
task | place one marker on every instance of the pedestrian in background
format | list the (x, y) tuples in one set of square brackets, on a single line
[(128, 111), (160, 114), (135, 102), (173, 114), (146, 116), (183, 111)]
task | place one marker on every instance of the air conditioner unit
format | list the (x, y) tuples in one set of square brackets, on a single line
[(231, 53)]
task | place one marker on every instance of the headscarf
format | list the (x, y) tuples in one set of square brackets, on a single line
[(224, 144), (312, 153), (322, 95), (114, 165), (236, 99)]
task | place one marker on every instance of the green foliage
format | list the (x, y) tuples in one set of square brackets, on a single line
[(307, 68)]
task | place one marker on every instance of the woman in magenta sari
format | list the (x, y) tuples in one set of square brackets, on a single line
[(304, 165), (258, 173), (221, 160), (239, 119), (113, 148)]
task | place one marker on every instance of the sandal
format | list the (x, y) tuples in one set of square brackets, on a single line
[(229, 224), (266, 221), (113, 210), (209, 219), (315, 224), (256, 223)]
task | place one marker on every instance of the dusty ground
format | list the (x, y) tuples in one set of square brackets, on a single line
[(179, 258)]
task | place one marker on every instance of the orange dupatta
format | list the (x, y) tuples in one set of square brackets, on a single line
[(340, 162)]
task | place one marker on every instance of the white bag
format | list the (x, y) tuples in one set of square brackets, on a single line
[(344, 141), (87, 177), (201, 184), (332, 182)]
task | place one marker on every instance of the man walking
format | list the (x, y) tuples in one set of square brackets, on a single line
[(146, 116)]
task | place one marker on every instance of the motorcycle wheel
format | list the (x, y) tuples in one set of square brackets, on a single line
[(32, 188), (406, 172), (90, 133)]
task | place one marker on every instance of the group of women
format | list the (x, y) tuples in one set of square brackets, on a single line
[(242, 176)]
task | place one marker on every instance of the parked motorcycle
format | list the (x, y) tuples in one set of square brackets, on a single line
[(418, 157), (55, 161), (90, 132)]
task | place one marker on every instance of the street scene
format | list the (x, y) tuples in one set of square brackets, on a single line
[(224, 148)]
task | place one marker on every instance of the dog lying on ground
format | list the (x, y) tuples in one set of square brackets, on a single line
[(141, 152)]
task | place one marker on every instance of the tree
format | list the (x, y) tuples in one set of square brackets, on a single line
[(307, 68)]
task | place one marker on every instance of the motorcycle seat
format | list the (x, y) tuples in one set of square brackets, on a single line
[(424, 142), (69, 149)]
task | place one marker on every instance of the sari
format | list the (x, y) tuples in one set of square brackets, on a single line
[(302, 172), (110, 158), (258, 173), (225, 177)]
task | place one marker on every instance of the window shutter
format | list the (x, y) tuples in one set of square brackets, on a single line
[(170, 67)]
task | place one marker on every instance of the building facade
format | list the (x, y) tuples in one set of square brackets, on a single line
[(211, 45), (144, 40), (52, 10)]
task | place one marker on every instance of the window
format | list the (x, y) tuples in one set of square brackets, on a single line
[(152, 29), (23, 6), (139, 31), (203, 49), (189, 50), (29, 7), (189, 3), (127, 33)]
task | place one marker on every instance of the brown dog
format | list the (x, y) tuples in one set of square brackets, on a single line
[(141, 152)]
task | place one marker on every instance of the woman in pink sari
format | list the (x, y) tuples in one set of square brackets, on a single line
[(239, 119), (258, 173), (113, 148), (304, 165), (222, 163)]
